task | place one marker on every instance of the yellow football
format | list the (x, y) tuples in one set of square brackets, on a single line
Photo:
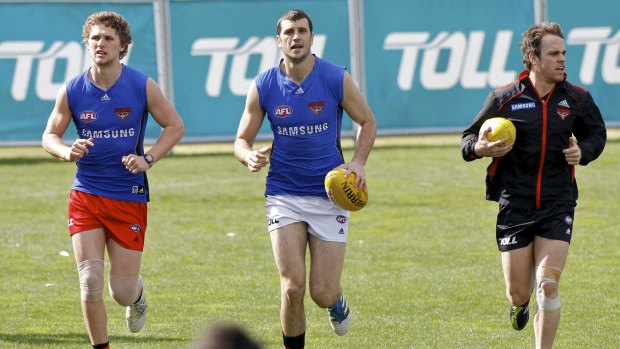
[(341, 191), (500, 128)]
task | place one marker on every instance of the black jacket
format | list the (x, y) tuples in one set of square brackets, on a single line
[(534, 173)]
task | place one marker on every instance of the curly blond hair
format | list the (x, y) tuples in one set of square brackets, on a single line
[(112, 20)]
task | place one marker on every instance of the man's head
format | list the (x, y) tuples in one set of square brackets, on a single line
[(532, 40), (112, 20), (295, 36), (293, 16), (225, 336), (544, 52)]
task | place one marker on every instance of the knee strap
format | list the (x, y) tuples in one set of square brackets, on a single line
[(124, 290), (547, 275), (91, 280)]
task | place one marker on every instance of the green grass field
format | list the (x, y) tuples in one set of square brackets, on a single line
[(422, 269)]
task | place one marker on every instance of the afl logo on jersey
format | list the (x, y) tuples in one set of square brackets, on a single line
[(283, 111), (88, 116)]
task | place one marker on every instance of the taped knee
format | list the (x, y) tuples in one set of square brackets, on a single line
[(124, 290), (91, 280), (547, 292)]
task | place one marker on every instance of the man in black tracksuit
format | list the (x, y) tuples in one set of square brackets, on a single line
[(558, 126)]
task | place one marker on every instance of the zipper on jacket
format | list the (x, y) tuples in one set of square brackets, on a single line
[(543, 147)]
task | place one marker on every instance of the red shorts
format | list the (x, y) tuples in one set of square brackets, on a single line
[(122, 221)]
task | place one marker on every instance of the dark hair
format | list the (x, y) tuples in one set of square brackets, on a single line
[(292, 15), (532, 39), (112, 20), (225, 336)]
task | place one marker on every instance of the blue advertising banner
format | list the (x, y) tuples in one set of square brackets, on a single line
[(38, 55), (592, 37), (431, 64), (220, 46), (428, 64)]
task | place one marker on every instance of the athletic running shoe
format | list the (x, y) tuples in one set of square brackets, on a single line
[(135, 315), (340, 316), (519, 316)]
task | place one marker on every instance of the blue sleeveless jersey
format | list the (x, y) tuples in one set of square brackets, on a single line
[(306, 121), (116, 120)]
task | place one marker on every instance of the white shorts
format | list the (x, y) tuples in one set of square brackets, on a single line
[(325, 220)]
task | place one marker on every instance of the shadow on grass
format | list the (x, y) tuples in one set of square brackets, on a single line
[(28, 160), (36, 339)]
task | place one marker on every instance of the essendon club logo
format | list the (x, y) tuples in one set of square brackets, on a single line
[(122, 113), (563, 109), (283, 111), (563, 112), (88, 116), (316, 107)]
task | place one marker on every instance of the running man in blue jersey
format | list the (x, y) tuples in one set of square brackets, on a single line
[(109, 105), (303, 98)]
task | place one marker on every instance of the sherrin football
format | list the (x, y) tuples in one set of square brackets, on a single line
[(341, 191), (500, 128)]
